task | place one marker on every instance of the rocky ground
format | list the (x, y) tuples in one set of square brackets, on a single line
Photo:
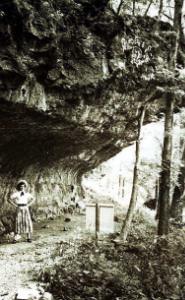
[(21, 262)]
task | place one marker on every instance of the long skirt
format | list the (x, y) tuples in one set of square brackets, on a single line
[(23, 221)]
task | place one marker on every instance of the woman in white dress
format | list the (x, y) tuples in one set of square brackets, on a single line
[(22, 200)]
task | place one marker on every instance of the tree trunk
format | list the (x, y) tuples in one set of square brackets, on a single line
[(133, 7), (157, 190), (178, 28), (178, 14), (165, 178), (126, 225), (160, 10), (148, 7), (157, 198), (120, 6), (178, 194), (164, 194)]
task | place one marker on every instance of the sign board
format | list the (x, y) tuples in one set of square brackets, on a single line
[(100, 217)]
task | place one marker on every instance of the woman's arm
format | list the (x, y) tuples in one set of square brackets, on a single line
[(11, 200)]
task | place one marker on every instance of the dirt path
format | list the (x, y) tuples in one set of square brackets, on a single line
[(19, 262)]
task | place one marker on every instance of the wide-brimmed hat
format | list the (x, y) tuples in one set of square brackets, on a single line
[(22, 181)]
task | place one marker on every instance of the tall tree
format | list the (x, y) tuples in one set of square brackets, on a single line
[(127, 222), (165, 177), (178, 14), (177, 23), (179, 189)]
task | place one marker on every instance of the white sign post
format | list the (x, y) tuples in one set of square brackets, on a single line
[(100, 218)]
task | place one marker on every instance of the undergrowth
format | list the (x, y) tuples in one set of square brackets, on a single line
[(143, 268)]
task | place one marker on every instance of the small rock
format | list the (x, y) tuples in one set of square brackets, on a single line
[(41, 290), (26, 293), (67, 220), (47, 296)]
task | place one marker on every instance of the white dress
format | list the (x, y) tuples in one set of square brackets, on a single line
[(23, 222)]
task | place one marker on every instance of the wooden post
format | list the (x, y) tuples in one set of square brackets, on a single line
[(123, 189), (97, 223)]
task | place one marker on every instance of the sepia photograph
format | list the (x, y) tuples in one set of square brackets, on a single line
[(92, 149)]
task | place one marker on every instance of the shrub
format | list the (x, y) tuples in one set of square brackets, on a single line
[(143, 268), (93, 273), (163, 268)]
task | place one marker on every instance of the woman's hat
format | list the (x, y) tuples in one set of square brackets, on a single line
[(22, 181)]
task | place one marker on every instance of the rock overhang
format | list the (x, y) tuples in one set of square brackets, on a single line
[(72, 81)]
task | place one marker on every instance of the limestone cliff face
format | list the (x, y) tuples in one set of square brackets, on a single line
[(73, 75)]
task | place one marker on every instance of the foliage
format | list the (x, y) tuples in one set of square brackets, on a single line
[(143, 268), (94, 273), (163, 268), (141, 7)]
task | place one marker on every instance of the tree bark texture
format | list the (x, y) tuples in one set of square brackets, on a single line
[(177, 23), (176, 206), (179, 192), (133, 7), (157, 198), (165, 178), (127, 222), (178, 14)]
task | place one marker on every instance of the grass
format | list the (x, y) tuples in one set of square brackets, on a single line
[(143, 268)]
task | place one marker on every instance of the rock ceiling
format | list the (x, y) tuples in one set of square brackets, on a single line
[(72, 78)]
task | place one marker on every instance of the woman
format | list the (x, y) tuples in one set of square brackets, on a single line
[(22, 200)]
